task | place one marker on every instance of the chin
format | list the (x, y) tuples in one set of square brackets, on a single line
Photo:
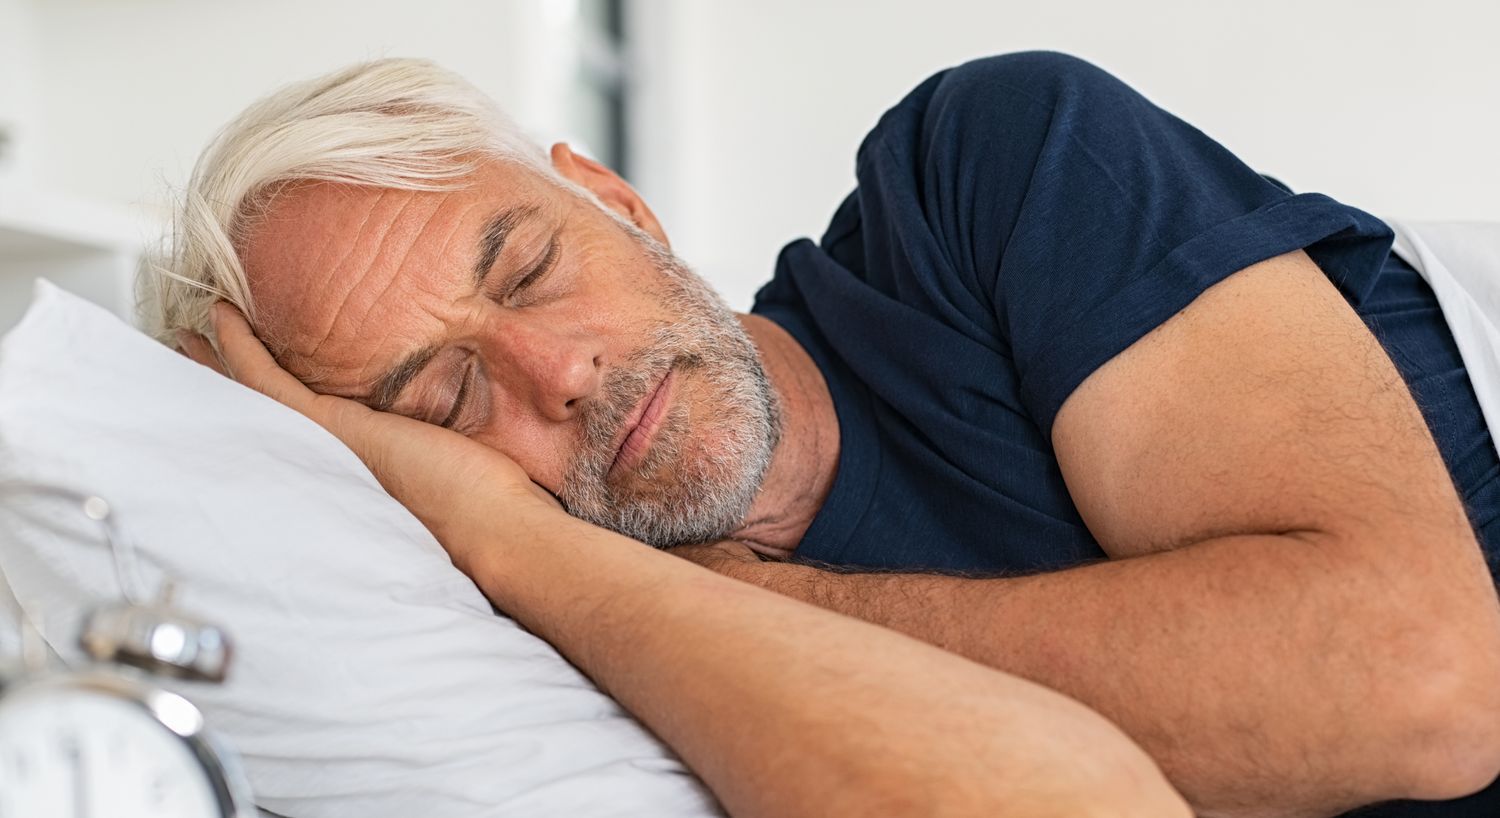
[(697, 483)]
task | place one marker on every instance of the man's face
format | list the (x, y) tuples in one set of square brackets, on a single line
[(530, 320)]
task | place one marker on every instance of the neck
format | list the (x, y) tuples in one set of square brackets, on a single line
[(806, 459)]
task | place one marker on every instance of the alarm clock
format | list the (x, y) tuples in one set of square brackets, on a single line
[(105, 739)]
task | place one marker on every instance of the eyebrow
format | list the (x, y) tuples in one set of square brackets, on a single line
[(389, 387), (492, 237)]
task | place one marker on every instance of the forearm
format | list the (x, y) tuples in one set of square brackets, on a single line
[(1244, 665), (785, 709)]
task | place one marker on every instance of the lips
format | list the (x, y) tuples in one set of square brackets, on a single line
[(642, 425)]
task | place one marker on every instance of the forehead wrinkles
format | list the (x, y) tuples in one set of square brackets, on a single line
[(381, 289), (433, 264), (297, 254), (365, 267), (347, 278)]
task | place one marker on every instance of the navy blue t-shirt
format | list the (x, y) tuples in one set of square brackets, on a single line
[(1018, 221)]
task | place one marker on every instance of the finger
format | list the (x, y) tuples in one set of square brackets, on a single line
[(197, 348), (252, 365)]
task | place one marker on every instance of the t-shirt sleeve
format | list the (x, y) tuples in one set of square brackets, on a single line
[(1086, 216)]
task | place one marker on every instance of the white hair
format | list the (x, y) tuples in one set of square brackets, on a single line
[(392, 123)]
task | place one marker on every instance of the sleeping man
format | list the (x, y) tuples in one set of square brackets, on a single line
[(1066, 391)]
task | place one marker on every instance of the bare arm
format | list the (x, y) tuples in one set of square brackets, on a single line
[(784, 709), (1298, 619)]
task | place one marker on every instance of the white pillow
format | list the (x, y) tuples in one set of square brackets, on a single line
[(371, 677)]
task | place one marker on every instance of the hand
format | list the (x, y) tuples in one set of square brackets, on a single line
[(461, 490)]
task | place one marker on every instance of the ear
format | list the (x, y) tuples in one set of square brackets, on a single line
[(616, 193)]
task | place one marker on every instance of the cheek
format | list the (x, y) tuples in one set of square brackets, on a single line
[(543, 452), (618, 285), (618, 304)]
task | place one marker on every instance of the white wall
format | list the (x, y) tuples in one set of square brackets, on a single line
[(754, 110), (131, 91), (751, 111), (17, 89), (113, 100)]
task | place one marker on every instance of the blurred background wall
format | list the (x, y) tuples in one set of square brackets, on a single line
[(739, 121)]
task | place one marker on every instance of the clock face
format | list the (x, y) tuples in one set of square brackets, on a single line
[(78, 752)]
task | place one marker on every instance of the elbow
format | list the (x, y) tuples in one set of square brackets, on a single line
[(1448, 741), (1454, 729), (1428, 713), (1143, 793)]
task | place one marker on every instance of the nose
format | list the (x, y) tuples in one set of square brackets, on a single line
[(554, 367)]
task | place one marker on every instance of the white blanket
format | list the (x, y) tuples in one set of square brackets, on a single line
[(1461, 262)]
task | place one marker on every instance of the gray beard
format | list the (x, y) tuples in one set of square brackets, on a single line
[(702, 473)]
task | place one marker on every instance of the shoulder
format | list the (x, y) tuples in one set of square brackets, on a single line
[(995, 114), (1042, 73), (1012, 83)]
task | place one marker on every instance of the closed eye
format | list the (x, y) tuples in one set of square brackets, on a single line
[(541, 268), (463, 394)]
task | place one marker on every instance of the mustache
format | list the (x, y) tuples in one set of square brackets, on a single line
[(602, 420)]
